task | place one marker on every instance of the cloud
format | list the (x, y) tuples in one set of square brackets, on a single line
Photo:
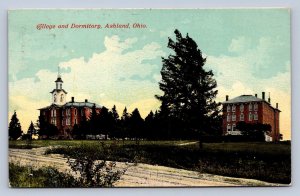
[(239, 45), (105, 78)]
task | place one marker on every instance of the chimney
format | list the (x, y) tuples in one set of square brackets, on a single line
[(263, 95), (72, 99), (269, 99), (276, 105), (85, 100), (255, 95), (227, 97)]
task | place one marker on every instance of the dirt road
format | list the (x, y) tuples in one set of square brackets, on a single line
[(140, 175)]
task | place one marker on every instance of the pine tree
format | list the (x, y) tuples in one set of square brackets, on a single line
[(136, 124), (149, 125), (124, 123), (115, 129), (14, 129), (189, 89), (31, 130), (115, 113)]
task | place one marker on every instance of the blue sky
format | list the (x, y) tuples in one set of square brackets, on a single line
[(247, 49)]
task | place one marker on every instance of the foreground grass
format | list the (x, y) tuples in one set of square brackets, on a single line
[(25, 177), (44, 143), (269, 162)]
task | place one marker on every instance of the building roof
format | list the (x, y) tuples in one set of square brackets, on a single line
[(81, 104), (73, 104), (58, 90), (243, 99), (58, 79), (247, 99)]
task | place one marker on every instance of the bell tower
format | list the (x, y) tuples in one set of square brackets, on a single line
[(58, 94)]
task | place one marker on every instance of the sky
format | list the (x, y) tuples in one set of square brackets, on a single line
[(248, 51)]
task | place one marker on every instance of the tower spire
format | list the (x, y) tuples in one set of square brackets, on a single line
[(58, 72)]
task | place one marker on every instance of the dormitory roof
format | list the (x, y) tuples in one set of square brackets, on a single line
[(247, 99), (243, 99), (74, 104)]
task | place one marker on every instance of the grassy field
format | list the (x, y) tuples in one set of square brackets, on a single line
[(25, 177), (74, 143), (263, 161)]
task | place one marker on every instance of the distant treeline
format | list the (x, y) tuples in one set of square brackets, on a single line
[(128, 126)]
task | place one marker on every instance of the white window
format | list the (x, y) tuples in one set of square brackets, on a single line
[(53, 113), (228, 117), (241, 117), (228, 127), (233, 127), (250, 117), (53, 121), (75, 111), (228, 108), (250, 107), (233, 117), (233, 108), (68, 122), (241, 107), (255, 116), (68, 112), (75, 121), (255, 107)]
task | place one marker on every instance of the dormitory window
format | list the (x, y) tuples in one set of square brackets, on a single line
[(228, 108), (53, 121), (250, 107), (68, 122), (241, 107), (82, 111), (228, 117), (255, 116), (250, 116), (233, 117), (255, 107), (233, 108), (75, 121), (228, 127), (75, 111), (53, 113), (241, 117), (233, 127), (68, 112)]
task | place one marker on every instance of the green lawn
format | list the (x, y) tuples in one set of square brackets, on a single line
[(42, 143), (263, 161)]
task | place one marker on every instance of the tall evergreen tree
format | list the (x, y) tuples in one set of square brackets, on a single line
[(115, 113), (105, 121), (94, 121), (136, 124), (189, 89), (14, 129), (124, 123), (31, 130), (149, 126), (115, 127)]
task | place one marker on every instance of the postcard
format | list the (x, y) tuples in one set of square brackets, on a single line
[(149, 97)]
